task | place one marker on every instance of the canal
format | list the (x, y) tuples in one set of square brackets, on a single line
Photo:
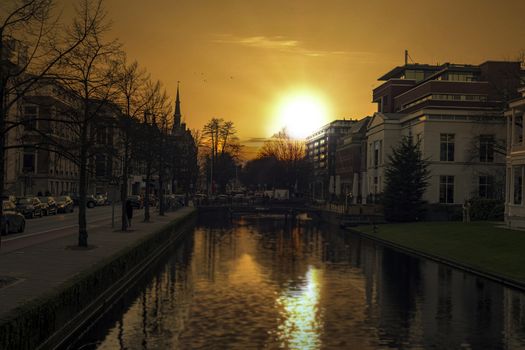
[(260, 283)]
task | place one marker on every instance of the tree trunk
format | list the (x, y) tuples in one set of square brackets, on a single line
[(82, 226), (3, 116), (82, 183), (124, 188), (161, 179), (146, 195), (161, 195)]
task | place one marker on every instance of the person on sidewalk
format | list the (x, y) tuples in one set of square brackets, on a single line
[(466, 211), (129, 212)]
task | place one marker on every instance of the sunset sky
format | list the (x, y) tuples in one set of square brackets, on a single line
[(239, 59)]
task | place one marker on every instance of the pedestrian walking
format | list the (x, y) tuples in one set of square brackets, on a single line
[(129, 212)]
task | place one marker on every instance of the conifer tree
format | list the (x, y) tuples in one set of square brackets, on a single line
[(406, 179)]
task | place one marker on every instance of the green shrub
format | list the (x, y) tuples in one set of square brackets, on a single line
[(443, 212), (486, 209)]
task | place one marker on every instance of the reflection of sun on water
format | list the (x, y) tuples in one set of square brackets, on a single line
[(301, 319), (246, 271)]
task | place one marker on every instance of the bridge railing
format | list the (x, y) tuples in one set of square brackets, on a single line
[(263, 202)]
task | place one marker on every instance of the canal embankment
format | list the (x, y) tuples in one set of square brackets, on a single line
[(54, 287), (484, 248)]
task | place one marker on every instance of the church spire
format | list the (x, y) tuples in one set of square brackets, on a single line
[(177, 116)]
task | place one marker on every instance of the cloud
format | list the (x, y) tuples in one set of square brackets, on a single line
[(279, 43), (254, 140)]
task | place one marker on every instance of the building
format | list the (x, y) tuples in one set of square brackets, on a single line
[(184, 158), (320, 151), (455, 111), (514, 204), (350, 162), (105, 164), (43, 145), (34, 162)]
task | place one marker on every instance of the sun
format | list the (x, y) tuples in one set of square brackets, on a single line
[(301, 114)]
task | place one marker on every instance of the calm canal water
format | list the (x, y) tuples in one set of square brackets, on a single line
[(258, 283)]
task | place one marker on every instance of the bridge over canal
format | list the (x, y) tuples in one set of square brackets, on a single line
[(290, 209)]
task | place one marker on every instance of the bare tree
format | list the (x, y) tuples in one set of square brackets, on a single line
[(290, 156), (163, 146), (223, 149), (88, 76), (283, 148), (147, 145), (133, 98), (32, 42)]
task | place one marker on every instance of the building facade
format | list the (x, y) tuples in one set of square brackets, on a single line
[(42, 150), (455, 112), (320, 152), (350, 162), (35, 162), (514, 203)]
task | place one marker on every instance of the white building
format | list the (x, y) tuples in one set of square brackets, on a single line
[(514, 203), (456, 113)]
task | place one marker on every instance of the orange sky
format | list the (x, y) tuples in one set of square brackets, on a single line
[(236, 58)]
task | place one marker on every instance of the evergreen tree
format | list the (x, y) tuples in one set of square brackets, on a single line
[(406, 178)]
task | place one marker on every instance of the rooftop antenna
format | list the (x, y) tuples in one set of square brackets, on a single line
[(407, 56)]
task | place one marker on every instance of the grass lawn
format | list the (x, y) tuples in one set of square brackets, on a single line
[(478, 244)]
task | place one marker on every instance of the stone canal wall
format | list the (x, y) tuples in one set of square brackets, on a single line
[(52, 320)]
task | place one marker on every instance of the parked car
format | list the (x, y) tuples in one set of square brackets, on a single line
[(136, 201), (12, 221), (29, 206), (101, 200), (239, 197), (65, 204), (222, 198), (91, 201), (72, 195), (49, 205)]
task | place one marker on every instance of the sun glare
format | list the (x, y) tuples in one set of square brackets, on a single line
[(301, 114)]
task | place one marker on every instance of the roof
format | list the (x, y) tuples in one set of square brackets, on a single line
[(392, 116), (397, 71)]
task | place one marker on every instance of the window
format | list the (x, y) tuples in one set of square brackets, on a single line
[(101, 136), (518, 184), (446, 153), (416, 75), (370, 158), (29, 160), (461, 76), (30, 116), (486, 148), (377, 152), (446, 189), (100, 165), (486, 186)]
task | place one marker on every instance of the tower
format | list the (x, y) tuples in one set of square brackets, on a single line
[(177, 115)]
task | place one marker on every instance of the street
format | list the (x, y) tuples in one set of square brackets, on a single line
[(55, 226)]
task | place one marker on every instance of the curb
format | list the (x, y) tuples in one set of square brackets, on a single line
[(79, 325)]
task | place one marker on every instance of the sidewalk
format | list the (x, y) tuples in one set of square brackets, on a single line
[(37, 270)]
